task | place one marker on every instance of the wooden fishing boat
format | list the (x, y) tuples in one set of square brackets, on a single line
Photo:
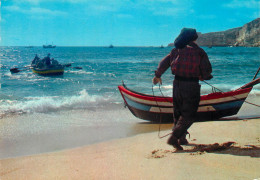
[(160, 109), (49, 71)]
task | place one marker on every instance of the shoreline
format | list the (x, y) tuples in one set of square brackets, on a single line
[(145, 156), (31, 134)]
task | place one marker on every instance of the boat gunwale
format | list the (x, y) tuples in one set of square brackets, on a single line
[(210, 96)]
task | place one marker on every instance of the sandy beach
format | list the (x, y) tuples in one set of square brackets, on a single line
[(145, 156)]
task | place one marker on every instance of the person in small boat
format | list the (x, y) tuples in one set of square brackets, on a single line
[(47, 60), (189, 63), (54, 62), (35, 60)]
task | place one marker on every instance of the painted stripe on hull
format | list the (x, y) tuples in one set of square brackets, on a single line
[(225, 99), (170, 110), (206, 106), (228, 105), (137, 105), (148, 102), (216, 107), (205, 99), (49, 72), (168, 117)]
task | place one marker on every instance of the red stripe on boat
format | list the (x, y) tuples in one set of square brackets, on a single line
[(218, 95), (211, 96), (144, 96)]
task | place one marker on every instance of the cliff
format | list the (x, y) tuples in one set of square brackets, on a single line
[(247, 35)]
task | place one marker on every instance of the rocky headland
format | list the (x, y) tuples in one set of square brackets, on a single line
[(247, 35)]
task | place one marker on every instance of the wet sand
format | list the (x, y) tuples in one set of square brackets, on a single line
[(41, 133), (145, 156)]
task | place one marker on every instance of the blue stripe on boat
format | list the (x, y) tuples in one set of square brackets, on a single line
[(228, 105), (137, 105)]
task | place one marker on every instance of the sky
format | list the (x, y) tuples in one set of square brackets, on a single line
[(117, 22)]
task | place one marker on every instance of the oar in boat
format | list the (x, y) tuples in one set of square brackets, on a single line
[(77, 67), (16, 70), (69, 65)]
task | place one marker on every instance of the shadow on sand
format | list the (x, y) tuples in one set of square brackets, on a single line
[(225, 148), (200, 149)]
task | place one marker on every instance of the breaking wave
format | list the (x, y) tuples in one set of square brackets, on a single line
[(52, 103)]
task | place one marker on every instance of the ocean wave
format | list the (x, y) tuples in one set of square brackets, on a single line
[(79, 72), (52, 104), (106, 74)]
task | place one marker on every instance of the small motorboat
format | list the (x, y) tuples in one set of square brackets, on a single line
[(212, 106), (49, 71)]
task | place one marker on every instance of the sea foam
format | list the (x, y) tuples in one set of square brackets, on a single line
[(49, 104)]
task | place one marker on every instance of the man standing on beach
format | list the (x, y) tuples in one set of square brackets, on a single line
[(189, 63)]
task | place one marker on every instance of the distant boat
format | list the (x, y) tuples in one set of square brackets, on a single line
[(111, 46), (28, 46), (162, 46), (49, 46)]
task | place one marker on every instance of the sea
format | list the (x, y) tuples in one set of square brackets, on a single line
[(41, 114)]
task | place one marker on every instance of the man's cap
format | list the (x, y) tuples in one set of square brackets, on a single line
[(186, 36)]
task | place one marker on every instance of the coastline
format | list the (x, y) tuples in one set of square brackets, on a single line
[(145, 156), (29, 134)]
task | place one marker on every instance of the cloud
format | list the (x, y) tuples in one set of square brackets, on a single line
[(104, 8), (37, 10), (34, 11), (168, 7), (154, 7), (168, 11), (251, 4), (12, 8), (43, 1)]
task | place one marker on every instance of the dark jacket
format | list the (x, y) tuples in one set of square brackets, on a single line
[(189, 62)]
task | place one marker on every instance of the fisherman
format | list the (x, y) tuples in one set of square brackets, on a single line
[(47, 60), (54, 62), (189, 63), (35, 60)]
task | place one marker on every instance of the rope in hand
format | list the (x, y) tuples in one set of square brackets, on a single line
[(231, 96)]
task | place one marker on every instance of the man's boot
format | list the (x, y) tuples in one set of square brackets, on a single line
[(183, 140), (174, 142)]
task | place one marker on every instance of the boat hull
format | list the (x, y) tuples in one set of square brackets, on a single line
[(160, 109), (49, 72)]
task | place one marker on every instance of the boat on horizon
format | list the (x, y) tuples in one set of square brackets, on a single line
[(49, 46)]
